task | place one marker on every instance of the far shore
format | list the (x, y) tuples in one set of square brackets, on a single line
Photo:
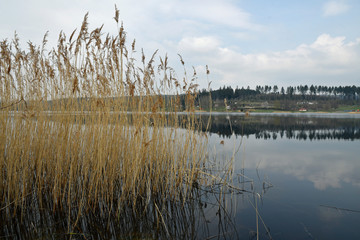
[(279, 111)]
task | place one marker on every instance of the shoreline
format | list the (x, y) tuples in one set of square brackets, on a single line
[(285, 112)]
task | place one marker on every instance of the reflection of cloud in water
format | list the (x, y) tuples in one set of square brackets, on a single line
[(325, 164), (329, 214)]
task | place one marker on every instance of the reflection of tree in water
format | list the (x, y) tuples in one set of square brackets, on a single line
[(273, 127)]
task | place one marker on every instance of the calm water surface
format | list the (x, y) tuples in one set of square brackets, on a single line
[(304, 169), (300, 171)]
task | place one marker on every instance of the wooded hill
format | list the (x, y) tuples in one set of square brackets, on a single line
[(316, 98)]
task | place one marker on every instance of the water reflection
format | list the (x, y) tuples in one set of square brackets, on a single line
[(301, 127), (326, 164), (300, 189), (312, 163), (201, 216)]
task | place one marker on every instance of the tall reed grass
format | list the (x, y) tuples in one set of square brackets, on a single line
[(85, 126)]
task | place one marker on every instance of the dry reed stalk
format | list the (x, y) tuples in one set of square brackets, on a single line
[(84, 126)]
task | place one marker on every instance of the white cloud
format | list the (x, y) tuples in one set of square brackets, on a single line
[(333, 8), (328, 60), (198, 44), (204, 32), (224, 13), (220, 12)]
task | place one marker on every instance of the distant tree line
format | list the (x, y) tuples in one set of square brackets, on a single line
[(267, 92)]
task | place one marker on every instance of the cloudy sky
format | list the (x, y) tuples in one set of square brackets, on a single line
[(245, 43)]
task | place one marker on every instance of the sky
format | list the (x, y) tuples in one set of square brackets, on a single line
[(244, 43)]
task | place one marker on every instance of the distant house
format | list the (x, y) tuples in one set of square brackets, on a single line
[(302, 110), (264, 104)]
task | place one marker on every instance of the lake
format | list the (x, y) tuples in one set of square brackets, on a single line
[(302, 171), (286, 176)]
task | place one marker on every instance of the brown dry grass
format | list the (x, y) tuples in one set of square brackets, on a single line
[(86, 124)]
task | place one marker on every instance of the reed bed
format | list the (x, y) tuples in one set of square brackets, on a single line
[(85, 127)]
